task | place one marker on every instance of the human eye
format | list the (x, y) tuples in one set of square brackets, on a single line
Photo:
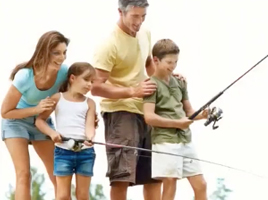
[(55, 53)]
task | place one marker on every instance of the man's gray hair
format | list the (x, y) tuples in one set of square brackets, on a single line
[(124, 5)]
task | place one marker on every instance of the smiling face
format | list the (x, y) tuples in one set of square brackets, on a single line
[(165, 55), (133, 18), (167, 64), (58, 55), (50, 51)]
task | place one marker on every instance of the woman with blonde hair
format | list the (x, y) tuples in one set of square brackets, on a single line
[(33, 83)]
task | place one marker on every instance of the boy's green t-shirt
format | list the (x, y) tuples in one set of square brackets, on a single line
[(168, 103)]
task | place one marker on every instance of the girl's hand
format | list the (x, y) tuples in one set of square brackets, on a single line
[(96, 120), (88, 143), (56, 138)]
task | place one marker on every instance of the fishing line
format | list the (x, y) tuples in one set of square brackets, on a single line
[(76, 145), (213, 116)]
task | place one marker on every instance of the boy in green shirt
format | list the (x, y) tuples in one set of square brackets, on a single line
[(167, 111)]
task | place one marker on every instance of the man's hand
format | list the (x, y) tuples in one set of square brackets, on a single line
[(145, 88), (184, 123), (180, 77)]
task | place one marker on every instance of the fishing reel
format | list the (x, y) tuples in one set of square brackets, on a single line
[(74, 145), (214, 115)]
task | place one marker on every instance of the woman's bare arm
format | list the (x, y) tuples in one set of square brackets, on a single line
[(8, 108)]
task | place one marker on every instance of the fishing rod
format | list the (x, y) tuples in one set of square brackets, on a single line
[(215, 114), (77, 145)]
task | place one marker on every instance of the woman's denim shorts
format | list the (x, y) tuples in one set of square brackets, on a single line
[(23, 128)]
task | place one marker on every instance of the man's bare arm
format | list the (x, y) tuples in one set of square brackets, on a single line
[(100, 88), (150, 67)]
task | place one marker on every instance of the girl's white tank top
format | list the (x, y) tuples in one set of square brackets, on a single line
[(71, 119)]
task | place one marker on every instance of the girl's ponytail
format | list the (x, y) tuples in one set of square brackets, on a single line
[(64, 86)]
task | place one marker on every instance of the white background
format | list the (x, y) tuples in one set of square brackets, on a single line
[(219, 40)]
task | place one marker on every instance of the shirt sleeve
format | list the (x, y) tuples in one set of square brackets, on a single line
[(21, 80), (184, 90), (104, 57), (151, 98)]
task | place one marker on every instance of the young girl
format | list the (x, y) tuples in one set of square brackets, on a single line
[(75, 118)]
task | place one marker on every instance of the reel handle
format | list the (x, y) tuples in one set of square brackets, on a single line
[(214, 124)]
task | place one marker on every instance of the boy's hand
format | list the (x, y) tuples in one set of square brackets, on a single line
[(204, 114), (56, 137), (184, 123)]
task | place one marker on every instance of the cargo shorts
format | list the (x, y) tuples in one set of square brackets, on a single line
[(128, 165)]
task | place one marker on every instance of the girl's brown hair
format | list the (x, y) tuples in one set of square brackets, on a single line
[(40, 59), (77, 69)]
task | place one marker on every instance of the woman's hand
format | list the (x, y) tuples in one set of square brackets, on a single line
[(45, 105)]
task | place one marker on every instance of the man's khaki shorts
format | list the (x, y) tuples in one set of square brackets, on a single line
[(128, 165)]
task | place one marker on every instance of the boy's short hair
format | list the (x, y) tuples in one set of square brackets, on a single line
[(164, 47)]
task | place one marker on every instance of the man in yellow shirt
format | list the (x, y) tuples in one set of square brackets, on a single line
[(123, 63)]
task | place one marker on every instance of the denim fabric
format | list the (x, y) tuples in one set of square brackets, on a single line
[(23, 128), (68, 162)]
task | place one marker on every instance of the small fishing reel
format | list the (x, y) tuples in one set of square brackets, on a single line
[(214, 115), (75, 145)]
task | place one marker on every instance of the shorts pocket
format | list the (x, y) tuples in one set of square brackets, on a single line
[(119, 163), (121, 126), (58, 151), (89, 152)]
